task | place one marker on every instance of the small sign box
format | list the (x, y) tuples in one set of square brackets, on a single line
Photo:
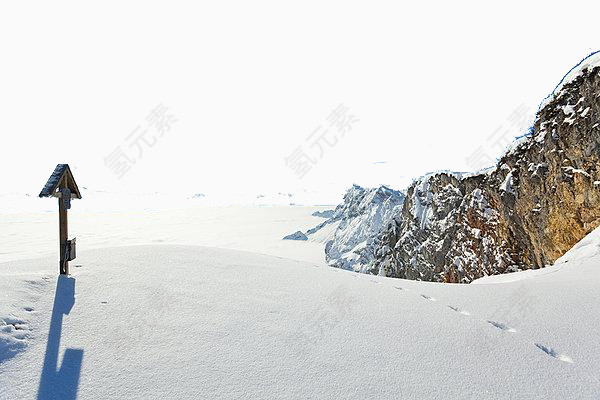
[(71, 249)]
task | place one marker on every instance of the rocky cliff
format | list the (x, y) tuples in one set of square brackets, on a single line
[(541, 199)]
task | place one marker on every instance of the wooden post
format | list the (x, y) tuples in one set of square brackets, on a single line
[(63, 233), (61, 184)]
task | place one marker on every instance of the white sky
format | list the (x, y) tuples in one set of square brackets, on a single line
[(250, 81)]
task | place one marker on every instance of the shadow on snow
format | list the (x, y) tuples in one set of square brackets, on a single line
[(60, 383)]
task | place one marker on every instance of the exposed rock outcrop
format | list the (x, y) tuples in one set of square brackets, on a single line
[(298, 235), (541, 199), (323, 214)]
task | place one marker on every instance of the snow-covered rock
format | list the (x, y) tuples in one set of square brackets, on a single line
[(356, 222), (324, 213), (585, 65), (298, 235)]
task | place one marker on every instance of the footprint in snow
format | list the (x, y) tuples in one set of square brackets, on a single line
[(399, 288), (379, 283), (502, 327), (554, 354), (428, 297), (458, 310)]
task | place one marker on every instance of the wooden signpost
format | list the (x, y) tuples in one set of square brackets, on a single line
[(62, 185)]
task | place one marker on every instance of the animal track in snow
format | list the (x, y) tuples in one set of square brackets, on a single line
[(14, 322), (458, 310), (399, 288), (502, 327), (428, 297), (554, 354), (379, 283), (14, 327)]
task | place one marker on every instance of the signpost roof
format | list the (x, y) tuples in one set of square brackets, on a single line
[(62, 174)]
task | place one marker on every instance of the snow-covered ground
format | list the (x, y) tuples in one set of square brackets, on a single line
[(162, 320)]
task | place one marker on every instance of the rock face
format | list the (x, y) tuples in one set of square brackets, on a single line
[(541, 199), (355, 224)]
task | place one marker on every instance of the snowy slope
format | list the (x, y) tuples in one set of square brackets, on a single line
[(186, 322), (177, 322)]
